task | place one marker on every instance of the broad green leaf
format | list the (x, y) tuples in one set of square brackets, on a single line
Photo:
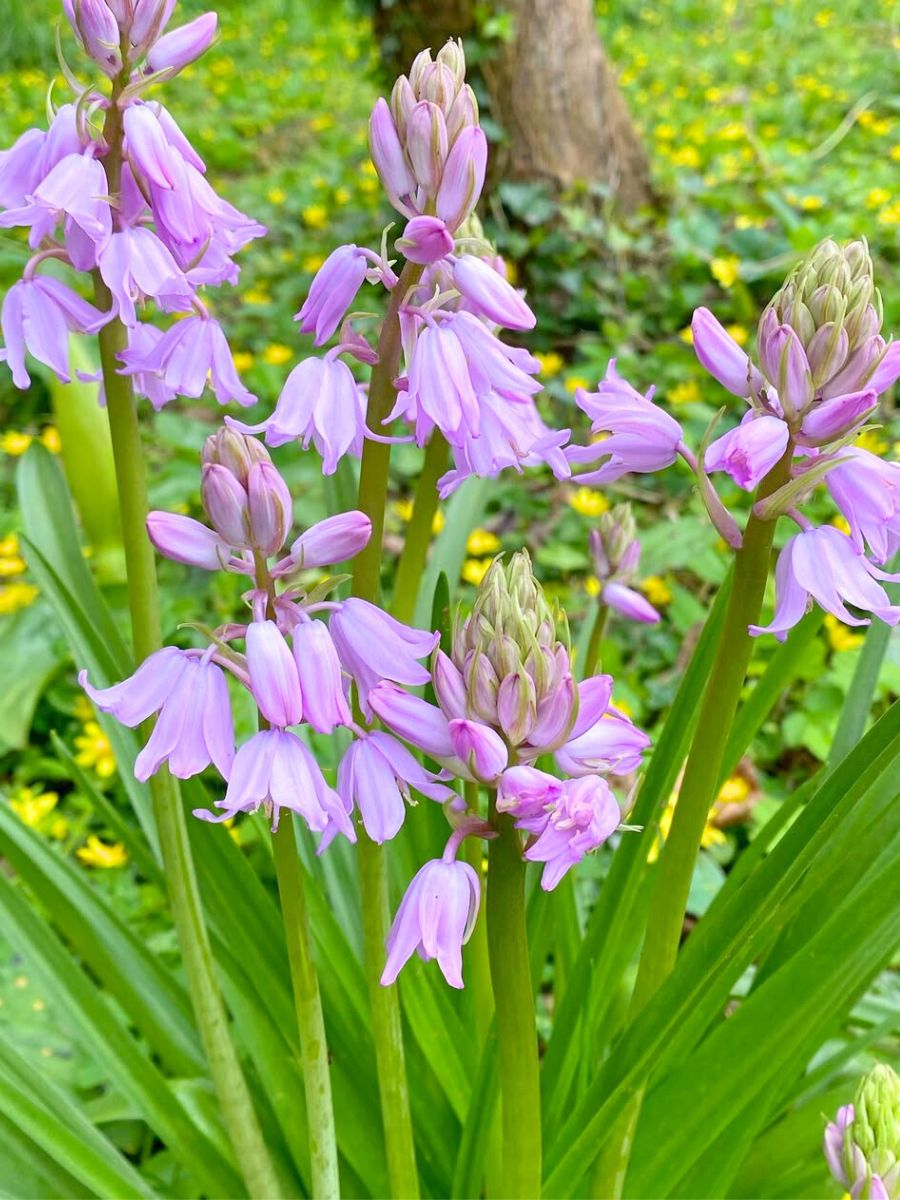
[(106, 1037), (27, 1172), (44, 1113), (464, 511), (29, 660)]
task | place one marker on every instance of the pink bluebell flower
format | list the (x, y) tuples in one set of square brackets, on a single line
[(749, 451), (867, 491), (194, 727), (332, 292), (825, 566), (190, 353), (583, 818), (435, 919), (376, 775), (37, 314), (373, 646)]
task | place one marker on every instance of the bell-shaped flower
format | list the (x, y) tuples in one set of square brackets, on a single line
[(373, 646), (585, 815), (195, 725), (828, 420), (462, 178), (135, 266), (320, 403), (749, 451), (611, 745), (37, 315), (190, 353), (425, 240), (74, 190), (334, 540), (435, 919), (415, 720), (481, 749), (529, 796), (332, 292), (147, 147), (142, 341), (187, 541), (319, 674), (274, 681), (629, 603), (824, 565), (176, 49), (375, 776), (95, 27), (866, 489), (276, 770), (641, 436)]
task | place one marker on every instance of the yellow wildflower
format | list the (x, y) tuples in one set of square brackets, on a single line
[(481, 542), (841, 523), (574, 382), (726, 270), (587, 502), (686, 392), (276, 354), (551, 363), (686, 156), (50, 439), (745, 221), (342, 195), (656, 590), (894, 153), (83, 709), (315, 216), (824, 17), (734, 790), (243, 360), (312, 262), (276, 195), (103, 855), (711, 836), (592, 586), (438, 521), (14, 443), (877, 196), (739, 333), (94, 750), (257, 296), (320, 124), (890, 214), (733, 131), (59, 828), (666, 133), (475, 569), (15, 596), (812, 203), (872, 441), (687, 335), (403, 509), (839, 636), (31, 806)]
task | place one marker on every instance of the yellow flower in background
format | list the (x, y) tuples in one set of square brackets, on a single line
[(103, 855), (711, 836), (16, 596), (839, 636), (276, 354), (50, 439), (734, 790), (83, 709), (745, 221), (726, 270), (315, 216), (94, 750), (481, 542), (824, 17), (438, 521), (592, 586), (890, 215), (320, 124), (32, 807), (686, 156), (243, 360), (872, 441), (841, 523), (342, 195), (59, 828), (687, 335), (687, 392), (11, 562), (587, 502), (739, 333), (877, 196), (276, 195), (312, 262), (574, 382), (257, 295), (475, 569), (551, 363), (656, 590), (14, 443)]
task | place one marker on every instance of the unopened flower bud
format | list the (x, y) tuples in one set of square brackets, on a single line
[(225, 501), (876, 1124), (96, 28), (235, 451), (425, 240), (182, 46), (426, 145), (270, 508)]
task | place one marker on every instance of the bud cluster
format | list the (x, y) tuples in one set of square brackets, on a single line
[(616, 554), (862, 1145), (426, 144)]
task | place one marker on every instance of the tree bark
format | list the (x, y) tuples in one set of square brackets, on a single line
[(555, 94), (404, 27)]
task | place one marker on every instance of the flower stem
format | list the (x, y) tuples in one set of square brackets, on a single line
[(311, 1024), (181, 881), (418, 531), (387, 1028), (592, 657), (701, 775), (520, 1094)]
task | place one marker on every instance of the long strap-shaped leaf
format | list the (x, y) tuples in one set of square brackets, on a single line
[(43, 1112)]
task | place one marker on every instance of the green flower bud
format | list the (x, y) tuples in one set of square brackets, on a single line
[(876, 1123)]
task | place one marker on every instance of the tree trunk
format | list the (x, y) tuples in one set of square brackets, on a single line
[(404, 27), (555, 94)]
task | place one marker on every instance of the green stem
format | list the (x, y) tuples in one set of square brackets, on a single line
[(592, 657), (418, 531), (701, 775), (181, 880), (310, 1023), (520, 1095), (387, 1027)]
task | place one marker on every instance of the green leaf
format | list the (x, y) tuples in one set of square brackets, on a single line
[(464, 512), (44, 1113), (29, 659)]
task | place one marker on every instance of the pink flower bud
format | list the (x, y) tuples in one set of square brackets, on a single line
[(234, 451), (828, 420), (150, 19), (177, 49), (225, 502), (271, 508), (722, 356), (629, 603), (186, 541), (426, 145), (425, 240), (389, 159), (462, 178), (449, 686), (517, 706), (490, 294), (147, 146), (97, 30), (273, 675), (333, 540), (480, 748), (332, 292)]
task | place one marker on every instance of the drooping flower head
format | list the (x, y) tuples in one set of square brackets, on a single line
[(616, 553), (862, 1145)]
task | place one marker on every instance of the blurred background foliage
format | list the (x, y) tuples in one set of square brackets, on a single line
[(768, 126)]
